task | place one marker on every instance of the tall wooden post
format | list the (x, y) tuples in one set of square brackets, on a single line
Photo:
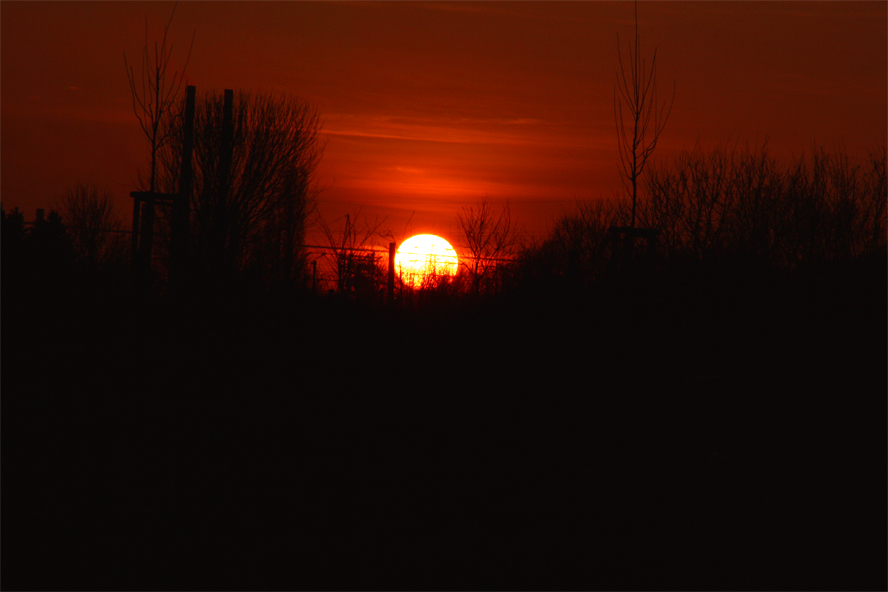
[(181, 214), (391, 274)]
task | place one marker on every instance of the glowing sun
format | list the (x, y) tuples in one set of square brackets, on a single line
[(425, 256)]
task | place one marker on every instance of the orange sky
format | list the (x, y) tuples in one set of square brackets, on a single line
[(429, 106)]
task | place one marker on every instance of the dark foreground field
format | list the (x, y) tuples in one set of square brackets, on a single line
[(717, 435)]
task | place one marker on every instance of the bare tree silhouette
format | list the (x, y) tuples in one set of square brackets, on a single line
[(154, 103), (488, 235), (638, 126), (253, 214), (93, 225)]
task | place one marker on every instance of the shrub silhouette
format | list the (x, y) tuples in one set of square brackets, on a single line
[(359, 273), (94, 227)]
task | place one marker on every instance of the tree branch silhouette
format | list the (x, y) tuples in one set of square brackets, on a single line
[(640, 125), (269, 190), (93, 226), (154, 101), (487, 235), (351, 268)]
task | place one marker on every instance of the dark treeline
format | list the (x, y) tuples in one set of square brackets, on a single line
[(707, 412), (731, 210)]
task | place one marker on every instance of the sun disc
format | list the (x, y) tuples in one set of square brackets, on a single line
[(423, 257)]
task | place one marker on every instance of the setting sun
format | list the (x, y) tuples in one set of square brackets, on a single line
[(423, 256)]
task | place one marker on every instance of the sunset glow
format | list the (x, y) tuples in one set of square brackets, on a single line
[(429, 106), (424, 256), (439, 294)]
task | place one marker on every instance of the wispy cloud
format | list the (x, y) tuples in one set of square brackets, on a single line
[(461, 130)]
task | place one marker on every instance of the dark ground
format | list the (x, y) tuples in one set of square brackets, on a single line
[(716, 435)]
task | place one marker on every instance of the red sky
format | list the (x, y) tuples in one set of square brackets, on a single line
[(427, 107)]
